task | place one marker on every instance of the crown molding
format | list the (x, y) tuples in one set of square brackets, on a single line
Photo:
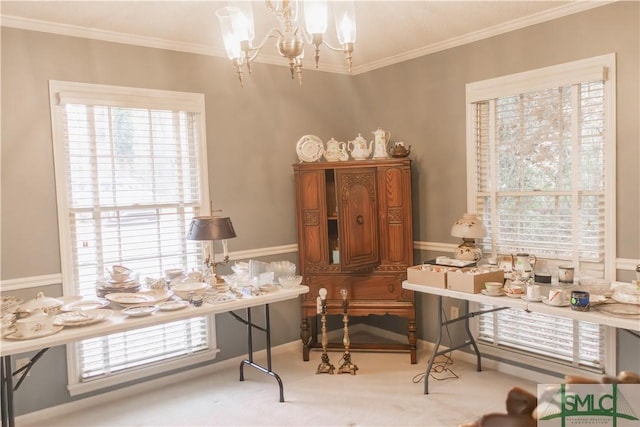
[(109, 36), (516, 24), (200, 49)]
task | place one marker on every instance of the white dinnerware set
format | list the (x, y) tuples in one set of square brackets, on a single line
[(310, 148)]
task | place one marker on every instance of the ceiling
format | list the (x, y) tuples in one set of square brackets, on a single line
[(387, 31)]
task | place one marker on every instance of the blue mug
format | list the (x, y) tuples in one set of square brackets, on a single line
[(580, 300)]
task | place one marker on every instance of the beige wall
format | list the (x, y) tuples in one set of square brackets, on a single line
[(252, 133), (423, 103)]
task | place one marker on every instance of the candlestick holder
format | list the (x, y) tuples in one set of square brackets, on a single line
[(347, 367), (325, 366)]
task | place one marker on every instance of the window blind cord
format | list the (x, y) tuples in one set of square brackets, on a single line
[(441, 364)]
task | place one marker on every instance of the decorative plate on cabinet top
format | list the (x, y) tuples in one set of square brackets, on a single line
[(309, 148)]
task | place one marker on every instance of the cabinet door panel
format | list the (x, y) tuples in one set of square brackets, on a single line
[(358, 207), (394, 199), (313, 225)]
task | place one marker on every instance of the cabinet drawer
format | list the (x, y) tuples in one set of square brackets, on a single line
[(360, 287)]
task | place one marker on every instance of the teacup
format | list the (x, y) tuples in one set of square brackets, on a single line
[(533, 292), (565, 274), (119, 273), (493, 287), (556, 297)]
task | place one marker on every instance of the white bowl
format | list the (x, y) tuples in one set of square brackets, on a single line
[(595, 286), (290, 281), (185, 289)]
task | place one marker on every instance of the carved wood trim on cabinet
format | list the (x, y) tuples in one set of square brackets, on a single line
[(363, 209)]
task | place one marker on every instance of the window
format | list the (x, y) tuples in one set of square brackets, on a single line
[(130, 175), (541, 156)]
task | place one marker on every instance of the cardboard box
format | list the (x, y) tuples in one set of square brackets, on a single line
[(462, 280), (435, 276)]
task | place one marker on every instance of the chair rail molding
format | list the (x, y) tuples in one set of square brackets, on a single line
[(56, 278), (30, 282)]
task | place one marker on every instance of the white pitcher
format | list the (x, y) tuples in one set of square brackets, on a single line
[(380, 139)]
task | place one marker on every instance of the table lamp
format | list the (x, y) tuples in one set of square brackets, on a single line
[(469, 228), (212, 228)]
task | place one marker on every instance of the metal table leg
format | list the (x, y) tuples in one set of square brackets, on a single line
[(8, 418), (249, 361), (8, 415), (468, 341)]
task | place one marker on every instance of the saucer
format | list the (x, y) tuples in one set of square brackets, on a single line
[(140, 310), (492, 294), (54, 330), (82, 317), (524, 298), (86, 304), (546, 301), (512, 295), (173, 305)]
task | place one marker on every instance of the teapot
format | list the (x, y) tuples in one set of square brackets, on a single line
[(399, 150), (380, 139), (359, 149), (334, 150)]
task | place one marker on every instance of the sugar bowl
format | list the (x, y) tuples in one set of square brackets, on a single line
[(36, 316)]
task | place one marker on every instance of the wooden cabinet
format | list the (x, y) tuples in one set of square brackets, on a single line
[(361, 212)]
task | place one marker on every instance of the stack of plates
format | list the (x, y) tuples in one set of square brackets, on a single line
[(109, 286)]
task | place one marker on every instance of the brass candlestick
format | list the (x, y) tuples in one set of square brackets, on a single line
[(325, 366), (347, 366)]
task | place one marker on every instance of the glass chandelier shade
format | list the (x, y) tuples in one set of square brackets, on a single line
[(237, 27)]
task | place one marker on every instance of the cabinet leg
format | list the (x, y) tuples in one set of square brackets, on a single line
[(305, 336), (413, 340)]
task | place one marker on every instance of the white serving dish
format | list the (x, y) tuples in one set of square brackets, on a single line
[(290, 281), (186, 288)]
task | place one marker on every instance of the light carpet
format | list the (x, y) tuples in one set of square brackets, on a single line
[(382, 393)]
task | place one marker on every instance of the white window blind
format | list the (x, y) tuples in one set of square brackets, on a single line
[(129, 181), (579, 344), (541, 155), (540, 176)]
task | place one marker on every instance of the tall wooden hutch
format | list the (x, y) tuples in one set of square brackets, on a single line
[(355, 232)]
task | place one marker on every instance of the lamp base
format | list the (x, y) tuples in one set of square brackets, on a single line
[(468, 251)]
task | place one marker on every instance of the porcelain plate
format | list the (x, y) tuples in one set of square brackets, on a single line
[(309, 148)]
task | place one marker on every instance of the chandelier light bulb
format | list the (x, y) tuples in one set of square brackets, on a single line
[(238, 32), (315, 16)]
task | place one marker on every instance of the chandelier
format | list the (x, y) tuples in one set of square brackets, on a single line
[(236, 24)]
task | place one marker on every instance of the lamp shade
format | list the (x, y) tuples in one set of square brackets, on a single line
[(211, 228), (468, 227)]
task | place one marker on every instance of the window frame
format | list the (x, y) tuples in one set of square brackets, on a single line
[(589, 69), (62, 92)]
